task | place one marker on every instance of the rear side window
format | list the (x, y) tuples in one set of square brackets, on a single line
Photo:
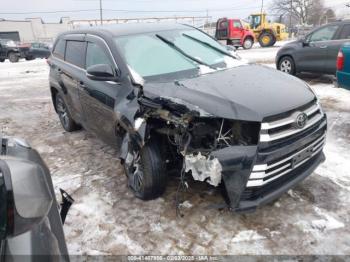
[(59, 48), (95, 55), (345, 32), (75, 53)]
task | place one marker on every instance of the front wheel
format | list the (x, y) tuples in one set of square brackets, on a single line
[(145, 171), (248, 43), (13, 57), (287, 65), (66, 120), (267, 39)]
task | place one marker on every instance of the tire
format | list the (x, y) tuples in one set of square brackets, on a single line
[(2, 60), (287, 65), (267, 39), (66, 120), (248, 43), (13, 57), (146, 174)]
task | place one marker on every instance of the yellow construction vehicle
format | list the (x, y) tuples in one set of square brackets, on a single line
[(266, 33)]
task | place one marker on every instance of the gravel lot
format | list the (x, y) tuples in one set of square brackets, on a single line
[(313, 218)]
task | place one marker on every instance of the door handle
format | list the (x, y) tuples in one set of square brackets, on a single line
[(323, 46)]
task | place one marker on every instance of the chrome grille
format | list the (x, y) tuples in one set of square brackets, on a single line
[(265, 173), (283, 128)]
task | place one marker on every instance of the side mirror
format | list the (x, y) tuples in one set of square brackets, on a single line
[(101, 72), (25, 198), (305, 43)]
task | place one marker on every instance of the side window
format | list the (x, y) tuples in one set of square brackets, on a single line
[(324, 34), (59, 48), (95, 55), (75, 53), (345, 32), (237, 24)]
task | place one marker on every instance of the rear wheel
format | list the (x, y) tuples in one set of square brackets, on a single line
[(248, 43), (266, 39), (66, 120), (287, 65), (145, 170), (13, 57)]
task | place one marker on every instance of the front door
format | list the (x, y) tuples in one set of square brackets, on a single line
[(98, 97), (237, 30), (312, 56)]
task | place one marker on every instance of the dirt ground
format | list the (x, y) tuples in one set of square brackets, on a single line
[(313, 218)]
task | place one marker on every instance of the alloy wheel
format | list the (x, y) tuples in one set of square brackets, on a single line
[(62, 112), (134, 171), (286, 66)]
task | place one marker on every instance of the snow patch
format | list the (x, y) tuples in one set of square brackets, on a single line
[(247, 235)]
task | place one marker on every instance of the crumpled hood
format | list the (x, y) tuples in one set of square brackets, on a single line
[(249, 92)]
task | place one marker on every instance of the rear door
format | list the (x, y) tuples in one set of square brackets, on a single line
[(333, 48), (312, 57), (72, 72), (98, 97)]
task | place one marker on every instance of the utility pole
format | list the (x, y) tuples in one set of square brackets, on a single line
[(101, 20), (262, 6), (290, 18)]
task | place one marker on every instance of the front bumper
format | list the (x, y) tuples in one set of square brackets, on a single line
[(298, 176), (245, 190)]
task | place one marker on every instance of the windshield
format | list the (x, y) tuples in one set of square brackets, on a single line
[(170, 52), (254, 21)]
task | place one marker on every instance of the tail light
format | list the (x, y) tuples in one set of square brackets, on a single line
[(340, 61)]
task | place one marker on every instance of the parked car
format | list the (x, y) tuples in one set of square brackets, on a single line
[(30, 223), (317, 52), (233, 31), (181, 103), (38, 50), (343, 66), (9, 50)]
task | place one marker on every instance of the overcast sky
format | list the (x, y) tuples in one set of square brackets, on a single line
[(137, 8)]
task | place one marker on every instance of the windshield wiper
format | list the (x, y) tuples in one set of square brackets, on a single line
[(209, 45), (178, 49)]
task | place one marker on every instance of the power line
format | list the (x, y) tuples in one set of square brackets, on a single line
[(47, 12), (128, 10)]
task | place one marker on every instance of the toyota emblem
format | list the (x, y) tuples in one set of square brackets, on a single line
[(301, 120)]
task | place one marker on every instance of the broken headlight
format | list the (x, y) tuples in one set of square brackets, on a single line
[(210, 134)]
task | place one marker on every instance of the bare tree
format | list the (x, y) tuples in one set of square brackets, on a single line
[(304, 11)]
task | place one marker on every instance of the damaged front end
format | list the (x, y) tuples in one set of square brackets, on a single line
[(216, 150)]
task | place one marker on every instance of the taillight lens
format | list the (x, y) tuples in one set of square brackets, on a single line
[(340, 61)]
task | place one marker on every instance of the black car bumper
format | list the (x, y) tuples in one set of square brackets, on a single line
[(301, 153), (298, 176)]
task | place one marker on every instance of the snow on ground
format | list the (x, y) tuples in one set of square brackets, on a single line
[(313, 218), (261, 55)]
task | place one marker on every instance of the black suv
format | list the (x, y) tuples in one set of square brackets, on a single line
[(174, 100), (9, 50), (317, 52)]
